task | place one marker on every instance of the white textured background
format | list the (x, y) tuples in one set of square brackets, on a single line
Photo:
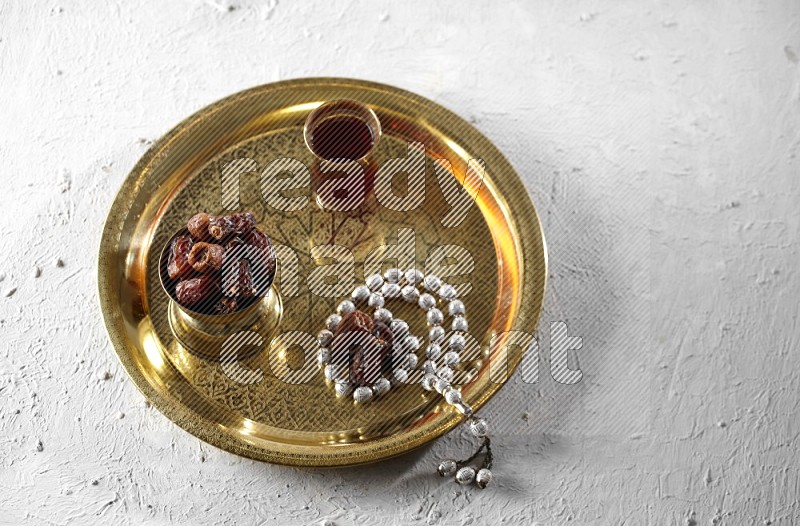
[(659, 141)]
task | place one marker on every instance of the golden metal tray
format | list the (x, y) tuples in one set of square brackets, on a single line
[(303, 423)]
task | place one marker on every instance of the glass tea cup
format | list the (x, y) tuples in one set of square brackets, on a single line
[(343, 135)]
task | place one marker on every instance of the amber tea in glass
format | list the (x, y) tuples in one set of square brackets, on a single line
[(342, 134)]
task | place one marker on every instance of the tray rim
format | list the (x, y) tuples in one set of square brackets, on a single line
[(182, 415)]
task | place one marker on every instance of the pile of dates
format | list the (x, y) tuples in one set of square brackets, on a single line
[(365, 367), (222, 264)]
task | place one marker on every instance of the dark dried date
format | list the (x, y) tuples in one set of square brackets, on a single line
[(383, 334), (238, 223), (206, 257), (356, 354), (198, 225), (354, 321), (242, 287), (264, 266), (234, 242), (368, 357), (178, 265), (202, 289), (221, 227), (371, 366), (258, 239), (243, 222)]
